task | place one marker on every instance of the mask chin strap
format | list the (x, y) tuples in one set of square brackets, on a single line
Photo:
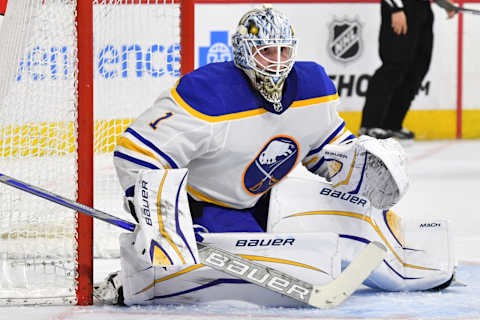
[(271, 91)]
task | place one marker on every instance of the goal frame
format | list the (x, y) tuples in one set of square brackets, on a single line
[(85, 129)]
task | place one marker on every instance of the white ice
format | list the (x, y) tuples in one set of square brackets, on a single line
[(445, 183)]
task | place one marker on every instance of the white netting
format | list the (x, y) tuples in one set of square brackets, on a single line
[(37, 144), (136, 55)]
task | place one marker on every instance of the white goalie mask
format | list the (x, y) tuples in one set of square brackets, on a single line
[(264, 47)]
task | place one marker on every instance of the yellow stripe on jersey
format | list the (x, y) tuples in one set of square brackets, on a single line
[(313, 160), (309, 102), (337, 136), (128, 144), (244, 114), (197, 114), (163, 232), (197, 194), (368, 220)]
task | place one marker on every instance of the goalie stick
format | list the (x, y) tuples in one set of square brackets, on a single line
[(450, 7), (323, 297)]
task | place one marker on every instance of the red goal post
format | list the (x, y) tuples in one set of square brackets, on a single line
[(86, 123)]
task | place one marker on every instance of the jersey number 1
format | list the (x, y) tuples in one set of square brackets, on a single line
[(155, 123)]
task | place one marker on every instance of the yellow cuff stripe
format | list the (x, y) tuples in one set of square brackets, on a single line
[(130, 145), (338, 136), (313, 160)]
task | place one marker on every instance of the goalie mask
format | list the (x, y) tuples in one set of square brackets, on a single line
[(264, 47)]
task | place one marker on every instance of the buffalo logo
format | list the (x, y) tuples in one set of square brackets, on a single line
[(345, 41), (273, 162)]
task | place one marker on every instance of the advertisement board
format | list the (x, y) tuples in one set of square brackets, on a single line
[(343, 37)]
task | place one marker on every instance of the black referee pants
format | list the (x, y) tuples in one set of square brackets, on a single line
[(405, 62)]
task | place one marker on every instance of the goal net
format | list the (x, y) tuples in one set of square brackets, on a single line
[(135, 56)]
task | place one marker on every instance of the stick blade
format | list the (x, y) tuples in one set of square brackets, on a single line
[(335, 292)]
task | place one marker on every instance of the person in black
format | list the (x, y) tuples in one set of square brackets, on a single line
[(406, 42)]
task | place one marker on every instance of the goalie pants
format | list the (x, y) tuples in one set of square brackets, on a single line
[(405, 62), (211, 218)]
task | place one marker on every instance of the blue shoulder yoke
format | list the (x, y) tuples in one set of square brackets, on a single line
[(219, 89)]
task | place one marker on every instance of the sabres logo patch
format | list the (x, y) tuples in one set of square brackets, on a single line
[(273, 162)]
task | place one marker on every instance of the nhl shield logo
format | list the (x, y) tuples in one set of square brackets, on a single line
[(345, 41)]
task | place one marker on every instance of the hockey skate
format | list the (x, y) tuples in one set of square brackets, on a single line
[(377, 133), (109, 291), (403, 134)]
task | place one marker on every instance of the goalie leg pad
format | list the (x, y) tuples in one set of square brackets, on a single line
[(420, 254), (312, 257), (164, 235)]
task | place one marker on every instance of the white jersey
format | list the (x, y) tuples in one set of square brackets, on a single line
[(235, 145)]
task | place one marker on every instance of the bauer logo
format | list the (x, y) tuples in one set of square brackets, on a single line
[(264, 242), (344, 42), (258, 275), (217, 51), (145, 203), (343, 196), (275, 160)]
